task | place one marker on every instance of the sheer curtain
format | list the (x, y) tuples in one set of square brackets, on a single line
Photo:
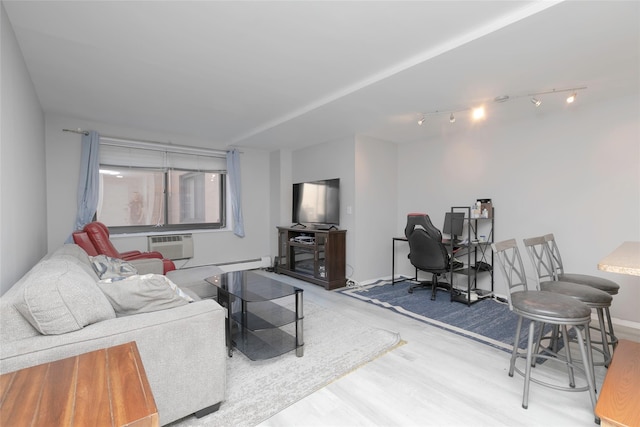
[(89, 182), (233, 173)]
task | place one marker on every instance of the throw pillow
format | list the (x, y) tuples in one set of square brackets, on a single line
[(107, 267), (143, 294), (59, 297)]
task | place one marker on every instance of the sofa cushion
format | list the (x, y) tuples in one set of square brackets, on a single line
[(60, 297), (75, 253), (107, 267), (143, 294)]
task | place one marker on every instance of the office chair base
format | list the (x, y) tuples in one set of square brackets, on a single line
[(430, 285)]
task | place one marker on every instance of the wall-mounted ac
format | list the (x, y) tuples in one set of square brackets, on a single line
[(172, 246)]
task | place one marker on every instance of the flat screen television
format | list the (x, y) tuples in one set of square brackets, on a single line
[(453, 224), (317, 202)]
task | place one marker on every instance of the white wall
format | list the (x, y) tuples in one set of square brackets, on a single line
[(281, 194), (210, 247), (575, 173), (333, 159), (375, 207), (23, 213)]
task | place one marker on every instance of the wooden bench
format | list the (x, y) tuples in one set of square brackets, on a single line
[(619, 400), (106, 387)]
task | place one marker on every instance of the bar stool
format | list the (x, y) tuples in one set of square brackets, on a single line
[(544, 307), (539, 253), (606, 285)]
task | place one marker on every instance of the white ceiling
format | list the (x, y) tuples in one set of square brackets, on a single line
[(289, 74)]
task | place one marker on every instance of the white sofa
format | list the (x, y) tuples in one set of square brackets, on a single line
[(182, 348)]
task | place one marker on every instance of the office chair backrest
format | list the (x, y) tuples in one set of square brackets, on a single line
[(427, 253), (420, 220)]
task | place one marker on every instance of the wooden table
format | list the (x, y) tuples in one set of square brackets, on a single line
[(624, 260), (620, 394), (106, 387)]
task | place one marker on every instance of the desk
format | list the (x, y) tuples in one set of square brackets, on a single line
[(393, 259), (624, 260), (105, 387)]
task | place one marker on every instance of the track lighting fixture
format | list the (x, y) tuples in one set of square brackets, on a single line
[(479, 113)]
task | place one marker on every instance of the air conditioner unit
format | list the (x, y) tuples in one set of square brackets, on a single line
[(172, 246)]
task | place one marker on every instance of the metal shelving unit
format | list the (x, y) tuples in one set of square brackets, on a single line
[(475, 255)]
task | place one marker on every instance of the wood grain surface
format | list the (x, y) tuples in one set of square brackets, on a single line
[(106, 387)]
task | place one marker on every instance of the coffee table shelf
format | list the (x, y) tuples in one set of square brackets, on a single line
[(265, 315), (258, 322), (263, 344)]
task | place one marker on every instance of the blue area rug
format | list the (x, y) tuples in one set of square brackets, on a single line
[(488, 321)]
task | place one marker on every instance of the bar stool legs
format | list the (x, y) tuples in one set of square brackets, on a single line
[(584, 344)]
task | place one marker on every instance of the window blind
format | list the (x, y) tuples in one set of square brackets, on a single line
[(125, 153)]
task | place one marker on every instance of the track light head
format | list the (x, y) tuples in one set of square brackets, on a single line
[(452, 118), (536, 102), (478, 113), (572, 98), (421, 121)]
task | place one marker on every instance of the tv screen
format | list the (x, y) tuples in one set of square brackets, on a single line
[(317, 202)]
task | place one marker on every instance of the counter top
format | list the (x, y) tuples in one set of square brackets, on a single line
[(624, 260)]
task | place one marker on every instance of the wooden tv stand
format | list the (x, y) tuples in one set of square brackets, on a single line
[(312, 255)]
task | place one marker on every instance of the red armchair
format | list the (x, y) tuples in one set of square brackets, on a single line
[(94, 239)]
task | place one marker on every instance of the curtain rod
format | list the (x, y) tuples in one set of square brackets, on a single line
[(150, 145)]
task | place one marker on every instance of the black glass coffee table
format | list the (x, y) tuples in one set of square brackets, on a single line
[(264, 315)]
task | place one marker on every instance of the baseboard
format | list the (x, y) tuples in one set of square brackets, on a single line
[(626, 323), (248, 264)]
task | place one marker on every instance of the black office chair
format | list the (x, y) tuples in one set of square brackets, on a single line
[(426, 252)]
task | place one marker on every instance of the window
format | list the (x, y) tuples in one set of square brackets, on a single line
[(144, 189)]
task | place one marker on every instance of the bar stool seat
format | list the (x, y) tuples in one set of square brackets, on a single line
[(606, 285), (548, 307), (590, 296)]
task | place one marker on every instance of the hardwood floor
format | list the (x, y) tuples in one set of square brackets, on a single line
[(435, 378)]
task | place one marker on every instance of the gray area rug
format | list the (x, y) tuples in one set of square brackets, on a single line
[(334, 346), (488, 321)]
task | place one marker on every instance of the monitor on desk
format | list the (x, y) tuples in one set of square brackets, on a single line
[(453, 224)]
